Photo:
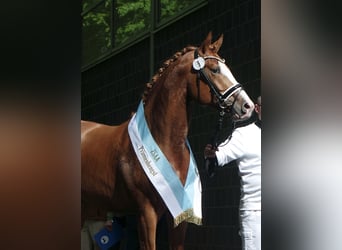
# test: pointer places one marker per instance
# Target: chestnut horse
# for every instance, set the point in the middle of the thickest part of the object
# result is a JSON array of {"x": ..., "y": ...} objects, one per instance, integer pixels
[{"x": 112, "y": 177}]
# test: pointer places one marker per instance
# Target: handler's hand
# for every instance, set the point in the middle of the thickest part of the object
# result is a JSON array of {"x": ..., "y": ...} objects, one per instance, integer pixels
[{"x": 209, "y": 151}]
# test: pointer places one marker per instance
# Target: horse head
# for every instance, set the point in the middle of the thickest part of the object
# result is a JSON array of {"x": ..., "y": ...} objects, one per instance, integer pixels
[{"x": 212, "y": 82}]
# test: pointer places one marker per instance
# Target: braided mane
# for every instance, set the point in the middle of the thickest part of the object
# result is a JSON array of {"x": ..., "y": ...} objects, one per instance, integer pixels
[{"x": 160, "y": 71}]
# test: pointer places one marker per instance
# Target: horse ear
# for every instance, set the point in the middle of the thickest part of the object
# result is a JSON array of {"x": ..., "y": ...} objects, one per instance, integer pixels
[
  {"x": 206, "y": 43},
  {"x": 215, "y": 47}
]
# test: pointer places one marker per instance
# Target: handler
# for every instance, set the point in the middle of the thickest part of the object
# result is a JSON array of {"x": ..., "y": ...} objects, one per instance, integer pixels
[{"x": 244, "y": 146}]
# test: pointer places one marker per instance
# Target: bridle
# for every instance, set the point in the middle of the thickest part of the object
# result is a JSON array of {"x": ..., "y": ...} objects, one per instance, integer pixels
[
  {"x": 199, "y": 65},
  {"x": 223, "y": 99}
]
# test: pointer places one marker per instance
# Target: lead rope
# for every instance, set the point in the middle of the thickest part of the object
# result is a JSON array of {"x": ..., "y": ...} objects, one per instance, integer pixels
[
  {"x": 215, "y": 137},
  {"x": 210, "y": 164}
]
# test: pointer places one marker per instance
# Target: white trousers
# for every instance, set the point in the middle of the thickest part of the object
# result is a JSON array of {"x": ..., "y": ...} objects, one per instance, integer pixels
[{"x": 250, "y": 229}]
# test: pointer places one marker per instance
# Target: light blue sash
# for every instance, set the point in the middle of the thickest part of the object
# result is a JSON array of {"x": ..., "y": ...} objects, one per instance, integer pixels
[{"x": 184, "y": 202}]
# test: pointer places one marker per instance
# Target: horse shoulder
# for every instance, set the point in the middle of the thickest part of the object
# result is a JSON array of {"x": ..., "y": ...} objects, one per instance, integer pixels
[{"x": 99, "y": 156}]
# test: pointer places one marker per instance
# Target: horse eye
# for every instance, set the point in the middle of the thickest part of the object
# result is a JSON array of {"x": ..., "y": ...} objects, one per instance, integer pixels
[{"x": 215, "y": 70}]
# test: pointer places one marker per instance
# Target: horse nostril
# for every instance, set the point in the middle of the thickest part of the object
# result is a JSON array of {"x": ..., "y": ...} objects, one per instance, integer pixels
[{"x": 246, "y": 106}]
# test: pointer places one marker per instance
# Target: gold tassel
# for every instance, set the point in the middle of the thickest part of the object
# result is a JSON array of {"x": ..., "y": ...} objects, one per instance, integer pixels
[{"x": 187, "y": 216}]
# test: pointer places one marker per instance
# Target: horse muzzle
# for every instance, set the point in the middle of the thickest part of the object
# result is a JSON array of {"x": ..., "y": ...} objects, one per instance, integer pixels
[{"x": 243, "y": 107}]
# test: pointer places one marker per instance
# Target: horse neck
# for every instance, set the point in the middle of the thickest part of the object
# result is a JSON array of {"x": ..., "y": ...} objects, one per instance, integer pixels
[{"x": 167, "y": 114}]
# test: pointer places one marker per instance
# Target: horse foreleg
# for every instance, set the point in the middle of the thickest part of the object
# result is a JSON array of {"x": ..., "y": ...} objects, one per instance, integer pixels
[
  {"x": 147, "y": 227},
  {"x": 176, "y": 234}
]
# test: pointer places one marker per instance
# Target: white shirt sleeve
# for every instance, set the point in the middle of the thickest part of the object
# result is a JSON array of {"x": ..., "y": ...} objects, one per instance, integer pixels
[{"x": 231, "y": 149}]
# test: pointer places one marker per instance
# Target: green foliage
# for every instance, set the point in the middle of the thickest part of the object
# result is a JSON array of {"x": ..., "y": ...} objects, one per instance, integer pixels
[
  {"x": 96, "y": 29},
  {"x": 170, "y": 8},
  {"x": 104, "y": 23},
  {"x": 133, "y": 17}
]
